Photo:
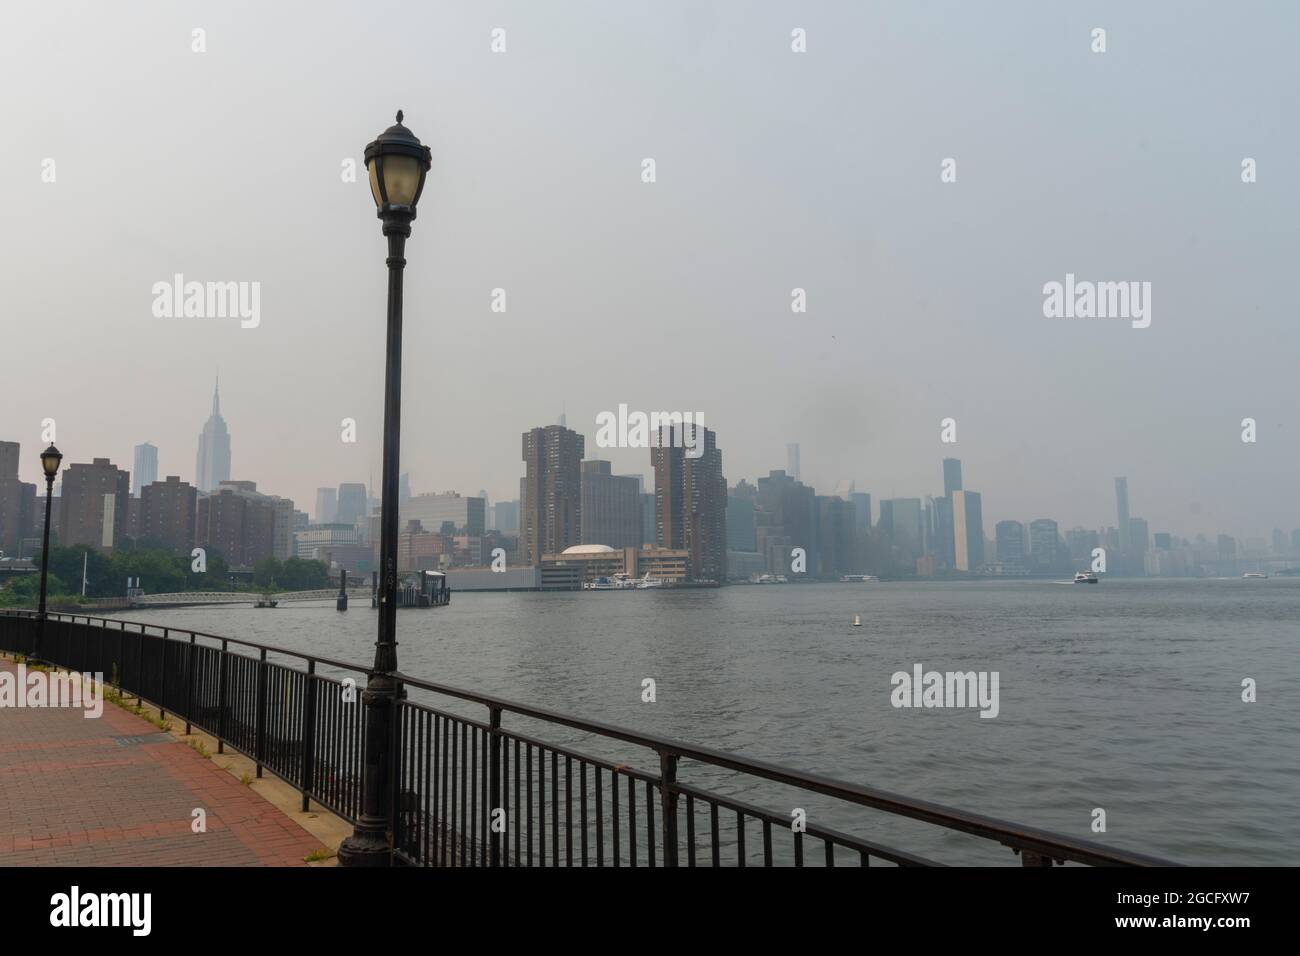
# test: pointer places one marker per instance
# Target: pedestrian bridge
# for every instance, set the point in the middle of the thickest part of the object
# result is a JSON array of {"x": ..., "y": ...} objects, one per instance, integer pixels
[{"x": 197, "y": 598}]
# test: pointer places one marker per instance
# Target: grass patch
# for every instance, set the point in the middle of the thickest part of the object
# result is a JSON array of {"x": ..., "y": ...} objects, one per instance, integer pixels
[{"x": 315, "y": 856}]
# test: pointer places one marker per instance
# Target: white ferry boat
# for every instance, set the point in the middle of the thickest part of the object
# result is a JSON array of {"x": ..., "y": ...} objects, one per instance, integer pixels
[
  {"x": 1086, "y": 577},
  {"x": 1255, "y": 574}
]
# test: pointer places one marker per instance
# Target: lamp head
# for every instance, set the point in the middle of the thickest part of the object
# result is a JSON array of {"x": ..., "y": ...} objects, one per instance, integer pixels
[{"x": 397, "y": 163}]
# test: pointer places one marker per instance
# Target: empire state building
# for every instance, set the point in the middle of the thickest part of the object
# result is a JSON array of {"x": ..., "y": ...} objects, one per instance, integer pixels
[{"x": 214, "y": 448}]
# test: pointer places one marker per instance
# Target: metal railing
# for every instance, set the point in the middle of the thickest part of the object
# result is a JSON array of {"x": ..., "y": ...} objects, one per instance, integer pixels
[{"x": 470, "y": 792}]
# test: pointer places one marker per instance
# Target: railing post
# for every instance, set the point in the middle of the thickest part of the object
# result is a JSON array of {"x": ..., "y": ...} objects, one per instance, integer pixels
[
  {"x": 139, "y": 665},
  {"x": 668, "y": 799},
  {"x": 189, "y": 686},
  {"x": 308, "y": 735},
  {"x": 259, "y": 729},
  {"x": 222, "y": 702},
  {"x": 162, "y": 677},
  {"x": 494, "y": 781}
]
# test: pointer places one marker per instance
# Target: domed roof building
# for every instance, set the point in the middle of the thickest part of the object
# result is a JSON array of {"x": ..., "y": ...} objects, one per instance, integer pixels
[{"x": 588, "y": 551}]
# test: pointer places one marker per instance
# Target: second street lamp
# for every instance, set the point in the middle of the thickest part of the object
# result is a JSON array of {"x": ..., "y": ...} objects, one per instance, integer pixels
[
  {"x": 50, "y": 461},
  {"x": 397, "y": 163}
]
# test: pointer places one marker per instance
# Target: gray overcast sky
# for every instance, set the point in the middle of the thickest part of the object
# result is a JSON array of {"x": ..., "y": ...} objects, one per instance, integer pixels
[{"x": 775, "y": 170}]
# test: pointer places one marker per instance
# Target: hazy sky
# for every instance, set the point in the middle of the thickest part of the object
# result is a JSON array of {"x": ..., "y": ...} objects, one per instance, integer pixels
[{"x": 775, "y": 170}]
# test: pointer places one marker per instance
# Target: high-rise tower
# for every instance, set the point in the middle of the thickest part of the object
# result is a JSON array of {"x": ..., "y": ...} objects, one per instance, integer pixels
[
  {"x": 691, "y": 498},
  {"x": 145, "y": 472},
  {"x": 214, "y": 448},
  {"x": 551, "y": 505},
  {"x": 951, "y": 476}
]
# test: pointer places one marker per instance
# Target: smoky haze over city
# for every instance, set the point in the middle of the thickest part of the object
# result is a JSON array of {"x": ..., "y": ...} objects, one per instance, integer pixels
[
  {"x": 663, "y": 433},
  {"x": 821, "y": 172}
]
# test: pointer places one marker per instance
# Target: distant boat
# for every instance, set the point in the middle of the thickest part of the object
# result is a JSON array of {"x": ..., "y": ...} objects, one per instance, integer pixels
[
  {"x": 1086, "y": 577},
  {"x": 857, "y": 621},
  {"x": 857, "y": 578},
  {"x": 1255, "y": 574},
  {"x": 649, "y": 582},
  {"x": 619, "y": 582}
]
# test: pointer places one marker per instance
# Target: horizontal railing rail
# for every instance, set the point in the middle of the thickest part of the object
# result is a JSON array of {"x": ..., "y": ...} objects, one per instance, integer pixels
[{"x": 474, "y": 792}]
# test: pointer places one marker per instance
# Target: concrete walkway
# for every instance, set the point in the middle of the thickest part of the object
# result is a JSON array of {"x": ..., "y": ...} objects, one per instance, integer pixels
[{"x": 117, "y": 791}]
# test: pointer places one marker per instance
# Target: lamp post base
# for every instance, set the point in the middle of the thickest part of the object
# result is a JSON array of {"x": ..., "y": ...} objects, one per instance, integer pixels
[{"x": 369, "y": 849}]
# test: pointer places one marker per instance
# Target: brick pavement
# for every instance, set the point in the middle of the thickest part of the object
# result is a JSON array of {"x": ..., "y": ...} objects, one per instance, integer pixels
[{"x": 71, "y": 794}]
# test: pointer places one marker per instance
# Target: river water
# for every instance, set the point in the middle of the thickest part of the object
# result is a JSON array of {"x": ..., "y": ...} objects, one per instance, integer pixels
[{"x": 1124, "y": 697}]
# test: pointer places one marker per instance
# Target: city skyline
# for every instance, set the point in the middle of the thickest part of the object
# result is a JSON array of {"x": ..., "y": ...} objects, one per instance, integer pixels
[
  {"x": 220, "y": 437},
  {"x": 925, "y": 534}
]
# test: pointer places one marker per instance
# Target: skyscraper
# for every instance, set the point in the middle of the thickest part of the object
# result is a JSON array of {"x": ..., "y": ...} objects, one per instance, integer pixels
[
  {"x": 214, "y": 449},
  {"x": 785, "y": 517},
  {"x": 861, "y": 510},
  {"x": 691, "y": 499},
  {"x": 145, "y": 471},
  {"x": 1121, "y": 505},
  {"x": 1010, "y": 538},
  {"x": 905, "y": 528},
  {"x": 351, "y": 503},
  {"x": 507, "y": 515},
  {"x": 951, "y": 476},
  {"x": 968, "y": 530},
  {"x": 1139, "y": 535},
  {"x": 18, "y": 510},
  {"x": 9, "y": 459},
  {"x": 792, "y": 460},
  {"x": 327, "y": 505},
  {"x": 944, "y": 545},
  {"x": 551, "y": 506},
  {"x": 611, "y": 507},
  {"x": 1045, "y": 544}
]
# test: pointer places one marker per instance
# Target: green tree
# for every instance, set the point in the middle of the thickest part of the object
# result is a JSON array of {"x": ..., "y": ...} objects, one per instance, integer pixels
[
  {"x": 25, "y": 590},
  {"x": 266, "y": 572},
  {"x": 216, "y": 577},
  {"x": 297, "y": 574},
  {"x": 156, "y": 570},
  {"x": 101, "y": 581}
]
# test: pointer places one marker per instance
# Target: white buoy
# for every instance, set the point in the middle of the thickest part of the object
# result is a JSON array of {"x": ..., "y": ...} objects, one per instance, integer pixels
[{"x": 857, "y": 621}]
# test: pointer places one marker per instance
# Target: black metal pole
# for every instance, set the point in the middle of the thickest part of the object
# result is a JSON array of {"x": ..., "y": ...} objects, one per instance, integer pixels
[
  {"x": 45, "y": 568},
  {"x": 369, "y": 844}
]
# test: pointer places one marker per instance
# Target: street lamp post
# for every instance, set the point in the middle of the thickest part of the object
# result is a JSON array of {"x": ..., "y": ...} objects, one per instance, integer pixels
[
  {"x": 50, "y": 460},
  {"x": 397, "y": 163}
]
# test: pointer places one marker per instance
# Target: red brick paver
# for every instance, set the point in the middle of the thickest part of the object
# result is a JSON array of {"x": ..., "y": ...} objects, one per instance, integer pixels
[{"x": 71, "y": 794}]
